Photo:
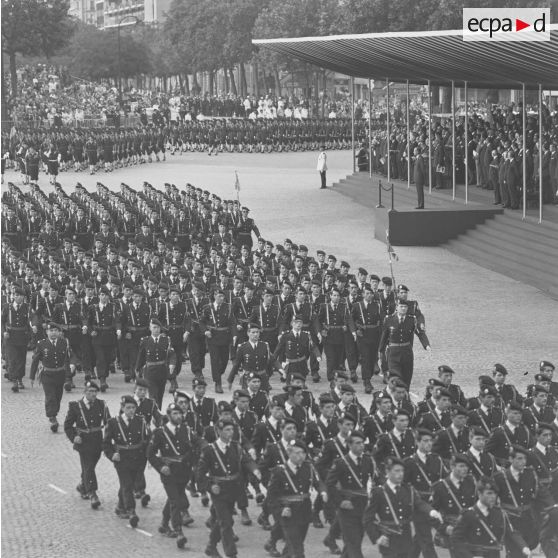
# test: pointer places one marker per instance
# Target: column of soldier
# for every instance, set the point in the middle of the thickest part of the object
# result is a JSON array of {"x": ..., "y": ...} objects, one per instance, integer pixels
[{"x": 471, "y": 475}]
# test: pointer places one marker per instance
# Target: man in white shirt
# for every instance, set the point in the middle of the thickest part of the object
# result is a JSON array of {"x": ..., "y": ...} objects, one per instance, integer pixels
[{"x": 322, "y": 166}]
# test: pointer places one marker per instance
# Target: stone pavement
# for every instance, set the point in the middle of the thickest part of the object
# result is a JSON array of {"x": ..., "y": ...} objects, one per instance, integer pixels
[{"x": 474, "y": 318}]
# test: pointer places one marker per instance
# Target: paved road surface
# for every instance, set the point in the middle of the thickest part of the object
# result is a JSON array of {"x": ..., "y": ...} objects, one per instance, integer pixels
[{"x": 474, "y": 318}]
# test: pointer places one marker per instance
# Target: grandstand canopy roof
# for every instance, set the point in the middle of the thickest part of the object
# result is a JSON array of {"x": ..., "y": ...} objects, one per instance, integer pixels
[{"x": 438, "y": 56}]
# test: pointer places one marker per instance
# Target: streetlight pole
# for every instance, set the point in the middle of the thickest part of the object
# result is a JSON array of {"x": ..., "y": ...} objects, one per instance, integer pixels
[{"x": 120, "y": 22}]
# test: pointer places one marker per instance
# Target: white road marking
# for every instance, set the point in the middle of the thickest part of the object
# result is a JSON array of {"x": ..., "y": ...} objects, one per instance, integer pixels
[
  {"x": 140, "y": 531},
  {"x": 58, "y": 489}
]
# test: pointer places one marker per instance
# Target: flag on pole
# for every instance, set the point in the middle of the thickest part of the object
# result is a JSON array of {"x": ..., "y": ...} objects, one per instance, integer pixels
[{"x": 237, "y": 186}]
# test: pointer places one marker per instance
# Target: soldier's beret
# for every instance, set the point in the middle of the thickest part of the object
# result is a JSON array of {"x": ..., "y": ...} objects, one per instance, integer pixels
[
  {"x": 71, "y": 289},
  {"x": 442, "y": 392},
  {"x": 19, "y": 291},
  {"x": 303, "y": 248},
  {"x": 399, "y": 383},
  {"x": 244, "y": 208},
  {"x": 115, "y": 281},
  {"x": 128, "y": 399},
  {"x": 516, "y": 448},
  {"x": 458, "y": 410},
  {"x": 298, "y": 376},
  {"x": 344, "y": 264},
  {"x": 224, "y": 407},
  {"x": 445, "y": 368},
  {"x": 349, "y": 417},
  {"x": 387, "y": 281},
  {"x": 488, "y": 390},
  {"x": 279, "y": 248},
  {"x": 198, "y": 285},
  {"x": 253, "y": 376},
  {"x": 174, "y": 289},
  {"x": 543, "y": 426},
  {"x": 485, "y": 380},
  {"x": 540, "y": 377},
  {"x": 292, "y": 390},
  {"x": 104, "y": 290},
  {"x": 393, "y": 461},
  {"x": 514, "y": 406},
  {"x": 363, "y": 271},
  {"x": 325, "y": 399},
  {"x": 140, "y": 382},
  {"x": 358, "y": 434},
  {"x": 347, "y": 388},
  {"x": 179, "y": 393},
  {"x": 546, "y": 364},
  {"x": 268, "y": 291},
  {"x": 478, "y": 431},
  {"x": 298, "y": 318},
  {"x": 163, "y": 286},
  {"x": 269, "y": 243},
  {"x": 249, "y": 285},
  {"x": 198, "y": 382},
  {"x": 420, "y": 432},
  {"x": 434, "y": 382},
  {"x": 320, "y": 252},
  {"x": 53, "y": 325},
  {"x": 402, "y": 288},
  {"x": 155, "y": 321},
  {"x": 294, "y": 247},
  {"x": 539, "y": 389},
  {"x": 91, "y": 385},
  {"x": 173, "y": 407},
  {"x": 402, "y": 302},
  {"x": 402, "y": 412},
  {"x": 298, "y": 444},
  {"x": 316, "y": 282},
  {"x": 500, "y": 368},
  {"x": 287, "y": 241},
  {"x": 241, "y": 393},
  {"x": 461, "y": 458},
  {"x": 89, "y": 285},
  {"x": 332, "y": 258},
  {"x": 139, "y": 291},
  {"x": 276, "y": 402}
]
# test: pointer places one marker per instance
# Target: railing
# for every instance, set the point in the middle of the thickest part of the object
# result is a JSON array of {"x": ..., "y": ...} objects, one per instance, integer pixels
[{"x": 389, "y": 188}]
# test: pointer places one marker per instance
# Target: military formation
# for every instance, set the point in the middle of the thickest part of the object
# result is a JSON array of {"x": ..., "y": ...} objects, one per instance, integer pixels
[{"x": 141, "y": 283}]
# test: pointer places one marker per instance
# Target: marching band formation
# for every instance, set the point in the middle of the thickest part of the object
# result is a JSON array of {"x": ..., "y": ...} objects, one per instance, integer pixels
[{"x": 143, "y": 282}]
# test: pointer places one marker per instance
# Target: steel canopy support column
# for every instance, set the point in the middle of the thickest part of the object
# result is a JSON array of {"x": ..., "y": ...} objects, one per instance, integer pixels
[
  {"x": 466, "y": 144},
  {"x": 388, "y": 134},
  {"x": 524, "y": 158},
  {"x": 429, "y": 138},
  {"x": 408, "y": 139},
  {"x": 540, "y": 154},
  {"x": 453, "y": 144},
  {"x": 353, "y": 121}
]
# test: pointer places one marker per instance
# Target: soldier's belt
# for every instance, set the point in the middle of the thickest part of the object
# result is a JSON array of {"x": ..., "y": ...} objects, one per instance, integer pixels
[
  {"x": 71, "y": 326},
  {"x": 391, "y": 528},
  {"x": 220, "y": 328},
  {"x": 174, "y": 326},
  {"x": 369, "y": 326},
  {"x": 516, "y": 510},
  {"x": 226, "y": 478},
  {"x": 168, "y": 460},
  {"x": 335, "y": 327},
  {"x": 156, "y": 363},
  {"x": 299, "y": 359},
  {"x": 269, "y": 329},
  {"x": 360, "y": 492},
  {"x": 90, "y": 430},
  {"x": 137, "y": 328},
  {"x": 17, "y": 328},
  {"x": 129, "y": 447},
  {"x": 255, "y": 371},
  {"x": 59, "y": 369},
  {"x": 104, "y": 328},
  {"x": 294, "y": 498},
  {"x": 483, "y": 547},
  {"x": 425, "y": 493},
  {"x": 399, "y": 344}
]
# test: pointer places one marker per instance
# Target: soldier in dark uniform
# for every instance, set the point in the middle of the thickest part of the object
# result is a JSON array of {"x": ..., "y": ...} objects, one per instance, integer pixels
[
  {"x": 399, "y": 442},
  {"x": 347, "y": 483},
  {"x": 196, "y": 340},
  {"x": 259, "y": 399},
  {"x": 512, "y": 432},
  {"x": 135, "y": 326},
  {"x": 174, "y": 317},
  {"x": 124, "y": 444},
  {"x": 422, "y": 470},
  {"x": 451, "y": 495},
  {"x": 16, "y": 334},
  {"x": 289, "y": 495},
  {"x": 391, "y": 510},
  {"x": 244, "y": 228},
  {"x": 482, "y": 463},
  {"x": 294, "y": 350},
  {"x": 253, "y": 356},
  {"x": 84, "y": 428},
  {"x": 219, "y": 327},
  {"x": 446, "y": 374},
  {"x": 487, "y": 416},
  {"x": 367, "y": 316},
  {"x": 156, "y": 361},
  {"x": 170, "y": 452},
  {"x": 546, "y": 367},
  {"x": 543, "y": 458},
  {"x": 454, "y": 438},
  {"x": 331, "y": 323},
  {"x": 506, "y": 392},
  {"x": 267, "y": 316},
  {"x": 439, "y": 417},
  {"x": 222, "y": 468},
  {"x": 379, "y": 421},
  {"x": 204, "y": 407},
  {"x": 103, "y": 324},
  {"x": 54, "y": 353},
  {"x": 537, "y": 410},
  {"x": 483, "y": 528},
  {"x": 397, "y": 341}
]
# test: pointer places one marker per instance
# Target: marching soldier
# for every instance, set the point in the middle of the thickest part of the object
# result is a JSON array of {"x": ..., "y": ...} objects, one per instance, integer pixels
[
  {"x": 16, "y": 333},
  {"x": 124, "y": 444},
  {"x": 219, "y": 327},
  {"x": 156, "y": 361},
  {"x": 378, "y": 422},
  {"x": 196, "y": 340},
  {"x": 482, "y": 463},
  {"x": 222, "y": 468},
  {"x": 84, "y": 428},
  {"x": 543, "y": 458},
  {"x": 347, "y": 483},
  {"x": 259, "y": 400},
  {"x": 54, "y": 353},
  {"x": 367, "y": 316},
  {"x": 170, "y": 452},
  {"x": 267, "y": 316},
  {"x": 397, "y": 341},
  {"x": 253, "y": 357},
  {"x": 391, "y": 509},
  {"x": 487, "y": 416},
  {"x": 440, "y": 416},
  {"x": 537, "y": 410},
  {"x": 289, "y": 495},
  {"x": 399, "y": 442},
  {"x": 204, "y": 407},
  {"x": 135, "y": 326},
  {"x": 506, "y": 392},
  {"x": 445, "y": 374},
  {"x": 482, "y": 529},
  {"x": 455, "y": 438}
]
